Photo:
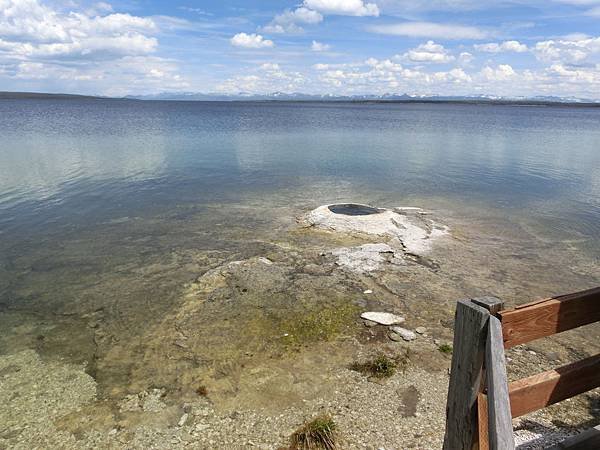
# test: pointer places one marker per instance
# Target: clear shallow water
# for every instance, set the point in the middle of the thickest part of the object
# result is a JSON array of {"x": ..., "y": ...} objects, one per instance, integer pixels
[
  {"x": 67, "y": 163},
  {"x": 111, "y": 210},
  {"x": 108, "y": 209}
]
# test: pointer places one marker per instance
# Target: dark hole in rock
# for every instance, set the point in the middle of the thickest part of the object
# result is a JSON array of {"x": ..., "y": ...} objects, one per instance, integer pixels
[{"x": 352, "y": 209}]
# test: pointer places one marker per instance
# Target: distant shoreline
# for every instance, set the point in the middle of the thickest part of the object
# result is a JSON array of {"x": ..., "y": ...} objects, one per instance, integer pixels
[{"x": 4, "y": 95}]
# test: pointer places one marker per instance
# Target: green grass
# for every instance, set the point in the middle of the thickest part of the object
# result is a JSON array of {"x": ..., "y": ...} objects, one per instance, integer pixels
[
  {"x": 445, "y": 349},
  {"x": 381, "y": 366},
  {"x": 318, "y": 434}
]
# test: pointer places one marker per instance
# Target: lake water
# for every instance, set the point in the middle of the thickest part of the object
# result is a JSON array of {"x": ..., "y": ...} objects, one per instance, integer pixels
[
  {"x": 76, "y": 163},
  {"x": 110, "y": 208}
]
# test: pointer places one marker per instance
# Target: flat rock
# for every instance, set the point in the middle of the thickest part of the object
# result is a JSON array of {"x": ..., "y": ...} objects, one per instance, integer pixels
[
  {"x": 421, "y": 330},
  {"x": 364, "y": 258},
  {"x": 382, "y": 318},
  {"x": 405, "y": 334}
]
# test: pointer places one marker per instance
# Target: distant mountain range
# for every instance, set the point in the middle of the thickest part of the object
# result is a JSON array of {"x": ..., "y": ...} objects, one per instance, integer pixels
[
  {"x": 282, "y": 96},
  {"x": 297, "y": 96}
]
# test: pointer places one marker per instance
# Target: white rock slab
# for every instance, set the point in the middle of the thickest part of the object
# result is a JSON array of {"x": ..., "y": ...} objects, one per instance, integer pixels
[
  {"x": 382, "y": 318},
  {"x": 405, "y": 334}
]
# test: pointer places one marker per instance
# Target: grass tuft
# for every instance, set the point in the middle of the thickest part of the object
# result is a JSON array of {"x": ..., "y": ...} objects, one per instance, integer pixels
[
  {"x": 202, "y": 391},
  {"x": 446, "y": 349},
  {"x": 381, "y": 366},
  {"x": 318, "y": 434}
]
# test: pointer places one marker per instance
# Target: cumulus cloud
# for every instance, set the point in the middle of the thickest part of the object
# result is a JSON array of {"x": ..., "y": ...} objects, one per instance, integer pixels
[
  {"x": 287, "y": 22},
  {"x": 319, "y": 46},
  {"x": 572, "y": 50},
  {"x": 506, "y": 46},
  {"x": 253, "y": 40},
  {"x": 343, "y": 7},
  {"x": 501, "y": 73},
  {"x": 94, "y": 46},
  {"x": 430, "y": 52},
  {"x": 311, "y": 12},
  {"x": 430, "y": 30},
  {"x": 28, "y": 29},
  {"x": 266, "y": 78},
  {"x": 384, "y": 75}
]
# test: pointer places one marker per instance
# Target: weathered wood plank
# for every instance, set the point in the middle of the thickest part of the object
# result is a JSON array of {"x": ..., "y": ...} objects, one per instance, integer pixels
[
  {"x": 538, "y": 391},
  {"x": 482, "y": 421},
  {"x": 554, "y": 315},
  {"x": 500, "y": 432},
  {"x": 470, "y": 332}
]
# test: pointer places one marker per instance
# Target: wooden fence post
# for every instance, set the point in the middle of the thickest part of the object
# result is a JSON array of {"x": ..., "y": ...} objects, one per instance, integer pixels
[
  {"x": 500, "y": 430},
  {"x": 470, "y": 333}
]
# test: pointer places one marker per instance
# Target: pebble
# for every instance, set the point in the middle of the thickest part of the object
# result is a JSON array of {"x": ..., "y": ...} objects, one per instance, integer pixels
[
  {"x": 382, "y": 318},
  {"x": 368, "y": 291},
  {"x": 369, "y": 323},
  {"x": 183, "y": 420},
  {"x": 421, "y": 330},
  {"x": 405, "y": 334}
]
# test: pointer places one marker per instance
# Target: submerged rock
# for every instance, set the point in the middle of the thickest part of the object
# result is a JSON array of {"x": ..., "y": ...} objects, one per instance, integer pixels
[
  {"x": 382, "y": 318},
  {"x": 406, "y": 224},
  {"x": 365, "y": 258}
]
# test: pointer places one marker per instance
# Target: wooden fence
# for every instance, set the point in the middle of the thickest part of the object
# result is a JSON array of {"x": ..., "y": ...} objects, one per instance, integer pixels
[{"x": 481, "y": 403}]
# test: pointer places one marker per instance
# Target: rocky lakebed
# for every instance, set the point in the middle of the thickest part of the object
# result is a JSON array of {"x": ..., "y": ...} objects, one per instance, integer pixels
[{"x": 345, "y": 310}]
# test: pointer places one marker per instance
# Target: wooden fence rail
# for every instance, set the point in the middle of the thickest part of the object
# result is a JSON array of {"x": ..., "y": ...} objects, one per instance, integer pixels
[{"x": 481, "y": 403}]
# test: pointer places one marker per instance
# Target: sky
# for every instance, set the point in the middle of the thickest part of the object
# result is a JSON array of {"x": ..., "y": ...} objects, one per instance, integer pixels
[{"x": 342, "y": 47}]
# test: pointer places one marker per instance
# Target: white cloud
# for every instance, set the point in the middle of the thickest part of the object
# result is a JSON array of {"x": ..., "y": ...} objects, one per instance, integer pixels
[
  {"x": 506, "y": 46},
  {"x": 343, "y": 7},
  {"x": 379, "y": 76},
  {"x": 589, "y": 76},
  {"x": 501, "y": 73},
  {"x": 465, "y": 57},
  {"x": 430, "y": 52},
  {"x": 266, "y": 78},
  {"x": 319, "y": 46},
  {"x": 287, "y": 22},
  {"x": 430, "y": 30},
  {"x": 253, "y": 40},
  {"x": 29, "y": 29},
  {"x": 567, "y": 50},
  {"x": 110, "y": 52}
]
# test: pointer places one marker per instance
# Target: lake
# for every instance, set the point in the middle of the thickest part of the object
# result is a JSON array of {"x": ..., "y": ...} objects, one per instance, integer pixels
[{"x": 113, "y": 213}]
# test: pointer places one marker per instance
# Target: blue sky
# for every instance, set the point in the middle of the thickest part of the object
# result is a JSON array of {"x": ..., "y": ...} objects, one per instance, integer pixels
[{"x": 448, "y": 47}]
